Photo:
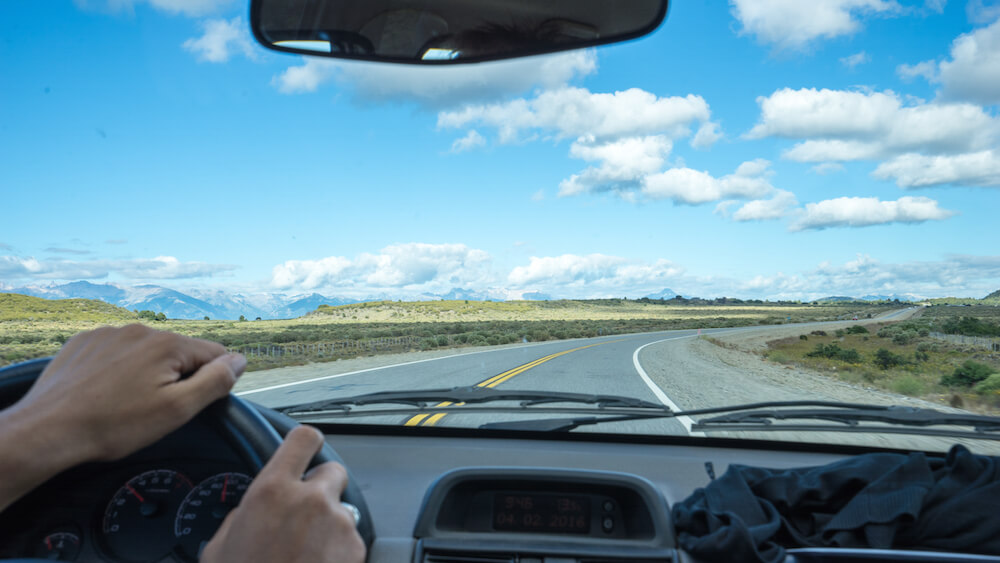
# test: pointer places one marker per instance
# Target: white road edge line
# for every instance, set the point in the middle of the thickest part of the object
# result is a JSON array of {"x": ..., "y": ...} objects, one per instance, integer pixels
[{"x": 685, "y": 421}]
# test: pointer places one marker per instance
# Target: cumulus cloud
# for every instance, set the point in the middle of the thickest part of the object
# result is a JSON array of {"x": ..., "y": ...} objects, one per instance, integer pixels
[
  {"x": 306, "y": 78},
  {"x": 777, "y": 206},
  {"x": 794, "y": 23},
  {"x": 411, "y": 266},
  {"x": 584, "y": 275},
  {"x": 855, "y": 59},
  {"x": 627, "y": 136},
  {"x": 840, "y": 126},
  {"x": 439, "y": 86},
  {"x": 868, "y": 211},
  {"x": 578, "y": 112},
  {"x": 221, "y": 40},
  {"x": 917, "y": 171},
  {"x": 971, "y": 74},
  {"x": 689, "y": 186},
  {"x": 191, "y": 8},
  {"x": 979, "y": 11},
  {"x": 623, "y": 163},
  {"x": 470, "y": 141},
  {"x": 954, "y": 275},
  {"x": 159, "y": 268}
]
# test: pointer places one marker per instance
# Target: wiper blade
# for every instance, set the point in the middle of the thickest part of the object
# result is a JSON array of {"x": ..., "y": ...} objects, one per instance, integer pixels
[
  {"x": 895, "y": 415},
  {"x": 760, "y": 416},
  {"x": 424, "y": 398}
]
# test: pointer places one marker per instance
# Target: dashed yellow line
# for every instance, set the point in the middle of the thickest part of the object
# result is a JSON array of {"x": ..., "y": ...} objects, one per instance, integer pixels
[{"x": 430, "y": 420}]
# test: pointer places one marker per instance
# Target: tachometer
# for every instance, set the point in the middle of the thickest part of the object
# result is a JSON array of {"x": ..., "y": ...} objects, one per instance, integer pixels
[
  {"x": 204, "y": 508},
  {"x": 136, "y": 524}
]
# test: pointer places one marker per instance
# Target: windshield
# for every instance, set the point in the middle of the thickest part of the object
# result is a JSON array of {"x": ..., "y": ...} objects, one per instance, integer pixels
[{"x": 759, "y": 202}]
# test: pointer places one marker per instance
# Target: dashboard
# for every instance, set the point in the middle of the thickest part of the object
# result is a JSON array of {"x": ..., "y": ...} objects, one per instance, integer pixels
[
  {"x": 435, "y": 495},
  {"x": 158, "y": 505}
]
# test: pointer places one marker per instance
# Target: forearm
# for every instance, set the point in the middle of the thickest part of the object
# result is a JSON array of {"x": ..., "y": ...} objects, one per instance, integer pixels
[{"x": 31, "y": 452}]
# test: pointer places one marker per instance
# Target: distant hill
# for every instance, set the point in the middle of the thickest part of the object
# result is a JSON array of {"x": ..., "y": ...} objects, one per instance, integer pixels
[
  {"x": 993, "y": 298},
  {"x": 835, "y": 299},
  {"x": 14, "y": 307}
]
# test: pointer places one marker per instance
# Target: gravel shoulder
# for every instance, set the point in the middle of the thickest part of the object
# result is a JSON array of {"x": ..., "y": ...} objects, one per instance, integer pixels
[{"x": 697, "y": 373}]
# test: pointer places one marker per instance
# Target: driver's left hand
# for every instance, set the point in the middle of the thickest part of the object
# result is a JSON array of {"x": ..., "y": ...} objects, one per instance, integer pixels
[{"x": 108, "y": 393}]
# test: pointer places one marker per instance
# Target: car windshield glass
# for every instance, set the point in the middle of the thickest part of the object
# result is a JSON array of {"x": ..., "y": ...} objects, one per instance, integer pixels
[{"x": 759, "y": 202}]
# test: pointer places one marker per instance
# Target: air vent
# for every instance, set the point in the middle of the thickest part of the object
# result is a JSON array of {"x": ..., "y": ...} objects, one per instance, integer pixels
[{"x": 467, "y": 558}]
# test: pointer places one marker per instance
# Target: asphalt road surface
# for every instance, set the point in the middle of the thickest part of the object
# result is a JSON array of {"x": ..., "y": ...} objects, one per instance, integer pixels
[{"x": 635, "y": 365}]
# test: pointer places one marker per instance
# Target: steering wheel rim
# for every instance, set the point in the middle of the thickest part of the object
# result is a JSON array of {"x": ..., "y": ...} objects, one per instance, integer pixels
[{"x": 254, "y": 431}]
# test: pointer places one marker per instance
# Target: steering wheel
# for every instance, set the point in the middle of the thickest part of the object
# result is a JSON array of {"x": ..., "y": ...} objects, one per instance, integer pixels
[{"x": 255, "y": 432}]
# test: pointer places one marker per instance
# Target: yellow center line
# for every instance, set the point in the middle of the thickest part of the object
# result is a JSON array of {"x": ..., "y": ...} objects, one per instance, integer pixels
[{"x": 430, "y": 420}]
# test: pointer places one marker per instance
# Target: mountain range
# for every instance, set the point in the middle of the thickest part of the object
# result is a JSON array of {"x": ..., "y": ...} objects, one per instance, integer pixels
[{"x": 217, "y": 304}]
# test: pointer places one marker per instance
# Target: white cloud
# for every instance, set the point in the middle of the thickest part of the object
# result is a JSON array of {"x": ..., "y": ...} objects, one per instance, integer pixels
[
  {"x": 412, "y": 266},
  {"x": 777, "y": 206},
  {"x": 578, "y": 112},
  {"x": 470, "y": 141},
  {"x": 926, "y": 70},
  {"x": 689, "y": 186},
  {"x": 624, "y": 162},
  {"x": 825, "y": 168},
  {"x": 584, "y": 275},
  {"x": 955, "y": 275},
  {"x": 917, "y": 171},
  {"x": 305, "y": 78},
  {"x": 868, "y": 211},
  {"x": 855, "y": 59},
  {"x": 159, "y": 268},
  {"x": 706, "y": 136},
  {"x": 439, "y": 86},
  {"x": 979, "y": 11},
  {"x": 222, "y": 38},
  {"x": 796, "y": 23},
  {"x": 191, "y": 8},
  {"x": 840, "y": 126},
  {"x": 972, "y": 73},
  {"x": 628, "y": 135}
]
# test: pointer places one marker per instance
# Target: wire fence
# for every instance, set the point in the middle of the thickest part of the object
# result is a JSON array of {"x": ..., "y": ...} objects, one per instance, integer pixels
[
  {"x": 978, "y": 341},
  {"x": 326, "y": 349}
]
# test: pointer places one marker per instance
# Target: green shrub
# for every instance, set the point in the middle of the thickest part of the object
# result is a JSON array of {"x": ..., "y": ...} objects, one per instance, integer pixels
[
  {"x": 839, "y": 333},
  {"x": 835, "y": 352},
  {"x": 909, "y": 385},
  {"x": 857, "y": 329},
  {"x": 967, "y": 375},
  {"x": 803, "y": 337},
  {"x": 989, "y": 385},
  {"x": 885, "y": 359},
  {"x": 818, "y": 333}
]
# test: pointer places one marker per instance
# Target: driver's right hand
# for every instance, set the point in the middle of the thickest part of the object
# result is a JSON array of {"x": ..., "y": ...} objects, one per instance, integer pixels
[{"x": 290, "y": 516}]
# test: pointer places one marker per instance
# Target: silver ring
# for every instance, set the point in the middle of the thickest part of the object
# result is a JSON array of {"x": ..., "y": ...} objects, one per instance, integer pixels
[{"x": 353, "y": 510}]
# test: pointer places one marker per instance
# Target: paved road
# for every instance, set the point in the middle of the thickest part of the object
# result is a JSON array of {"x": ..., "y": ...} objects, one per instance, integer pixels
[{"x": 605, "y": 365}]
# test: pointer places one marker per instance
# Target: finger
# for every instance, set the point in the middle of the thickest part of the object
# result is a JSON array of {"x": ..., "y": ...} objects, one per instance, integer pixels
[
  {"x": 195, "y": 352},
  {"x": 212, "y": 381},
  {"x": 293, "y": 456},
  {"x": 331, "y": 476}
]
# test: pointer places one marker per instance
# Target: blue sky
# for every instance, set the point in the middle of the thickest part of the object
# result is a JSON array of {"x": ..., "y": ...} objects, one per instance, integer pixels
[{"x": 749, "y": 149}]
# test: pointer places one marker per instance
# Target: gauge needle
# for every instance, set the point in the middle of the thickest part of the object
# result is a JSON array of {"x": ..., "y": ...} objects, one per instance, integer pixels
[
  {"x": 137, "y": 495},
  {"x": 225, "y": 484},
  {"x": 48, "y": 542}
]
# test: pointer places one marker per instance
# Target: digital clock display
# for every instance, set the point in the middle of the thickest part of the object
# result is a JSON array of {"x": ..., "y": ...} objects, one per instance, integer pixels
[{"x": 541, "y": 512}]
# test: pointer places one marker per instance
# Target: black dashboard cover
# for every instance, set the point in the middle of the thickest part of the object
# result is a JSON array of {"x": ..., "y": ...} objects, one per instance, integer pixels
[{"x": 881, "y": 500}]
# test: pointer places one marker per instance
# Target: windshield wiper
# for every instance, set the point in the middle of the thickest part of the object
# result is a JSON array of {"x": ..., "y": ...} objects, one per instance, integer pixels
[
  {"x": 426, "y": 398},
  {"x": 761, "y": 416}
]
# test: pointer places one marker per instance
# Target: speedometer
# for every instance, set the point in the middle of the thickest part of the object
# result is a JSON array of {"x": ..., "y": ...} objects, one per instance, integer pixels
[
  {"x": 136, "y": 525},
  {"x": 204, "y": 508}
]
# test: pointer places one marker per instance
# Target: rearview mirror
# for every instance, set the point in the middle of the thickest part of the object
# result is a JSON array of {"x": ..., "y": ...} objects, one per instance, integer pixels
[{"x": 448, "y": 31}]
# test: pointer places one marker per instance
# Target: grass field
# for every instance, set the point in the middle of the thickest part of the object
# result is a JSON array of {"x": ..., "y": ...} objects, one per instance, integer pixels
[
  {"x": 33, "y": 327},
  {"x": 904, "y": 358}
]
